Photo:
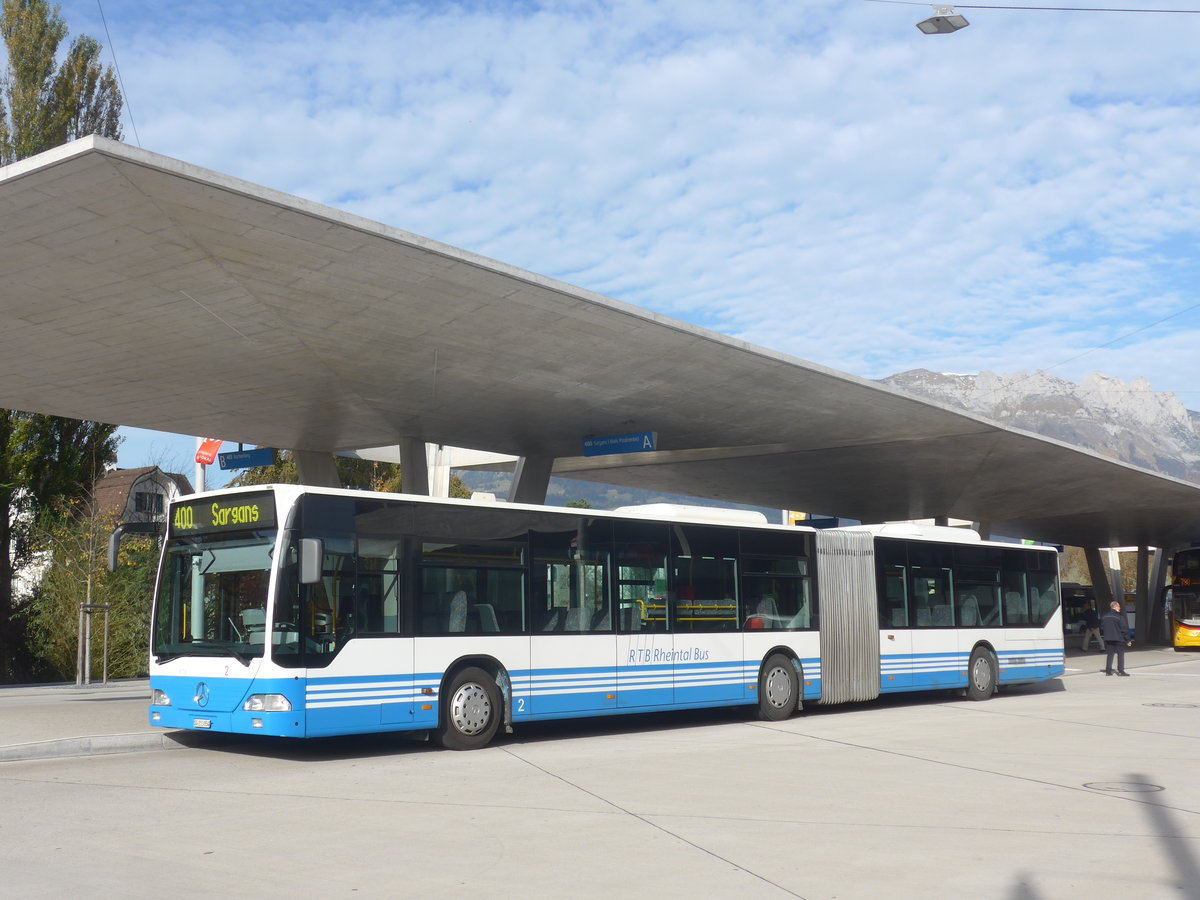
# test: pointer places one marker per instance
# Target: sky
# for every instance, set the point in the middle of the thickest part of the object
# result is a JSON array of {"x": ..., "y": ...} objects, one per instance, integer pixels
[{"x": 814, "y": 176}]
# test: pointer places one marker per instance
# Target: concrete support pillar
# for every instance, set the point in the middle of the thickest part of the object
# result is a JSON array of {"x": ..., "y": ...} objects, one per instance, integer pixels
[
  {"x": 941, "y": 520},
  {"x": 438, "y": 458},
  {"x": 531, "y": 480},
  {"x": 984, "y": 529},
  {"x": 1159, "y": 632},
  {"x": 1116, "y": 579},
  {"x": 1143, "y": 614},
  {"x": 316, "y": 468},
  {"x": 414, "y": 466},
  {"x": 1101, "y": 577}
]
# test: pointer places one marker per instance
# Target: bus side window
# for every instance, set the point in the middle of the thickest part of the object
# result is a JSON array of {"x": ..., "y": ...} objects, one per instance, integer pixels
[
  {"x": 893, "y": 612},
  {"x": 931, "y": 598}
]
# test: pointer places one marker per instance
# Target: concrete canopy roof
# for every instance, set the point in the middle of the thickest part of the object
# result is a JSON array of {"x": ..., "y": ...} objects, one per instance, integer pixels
[{"x": 140, "y": 290}]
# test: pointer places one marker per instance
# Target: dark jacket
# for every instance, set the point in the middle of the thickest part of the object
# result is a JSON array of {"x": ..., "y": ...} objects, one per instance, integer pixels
[
  {"x": 1089, "y": 619},
  {"x": 1112, "y": 627}
]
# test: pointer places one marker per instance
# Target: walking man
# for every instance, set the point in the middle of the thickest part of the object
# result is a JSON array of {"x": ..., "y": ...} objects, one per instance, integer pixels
[
  {"x": 1116, "y": 637},
  {"x": 1091, "y": 628}
]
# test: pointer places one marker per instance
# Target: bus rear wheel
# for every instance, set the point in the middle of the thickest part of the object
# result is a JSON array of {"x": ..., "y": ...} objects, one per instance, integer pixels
[
  {"x": 778, "y": 688},
  {"x": 471, "y": 710},
  {"x": 981, "y": 674}
]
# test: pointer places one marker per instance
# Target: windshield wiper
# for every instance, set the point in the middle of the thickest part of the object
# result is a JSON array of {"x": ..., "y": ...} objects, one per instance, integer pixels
[
  {"x": 243, "y": 658},
  {"x": 206, "y": 648}
]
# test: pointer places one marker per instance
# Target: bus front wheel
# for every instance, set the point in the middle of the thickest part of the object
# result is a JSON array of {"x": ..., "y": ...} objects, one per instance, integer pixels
[
  {"x": 981, "y": 674},
  {"x": 471, "y": 710},
  {"x": 778, "y": 688}
]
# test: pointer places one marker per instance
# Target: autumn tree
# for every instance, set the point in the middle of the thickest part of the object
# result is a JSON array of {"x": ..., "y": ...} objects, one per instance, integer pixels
[
  {"x": 360, "y": 474},
  {"x": 45, "y": 102}
]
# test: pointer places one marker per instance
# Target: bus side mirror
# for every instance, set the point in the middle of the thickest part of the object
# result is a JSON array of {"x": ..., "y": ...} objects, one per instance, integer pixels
[
  {"x": 312, "y": 555},
  {"x": 114, "y": 539},
  {"x": 114, "y": 547}
]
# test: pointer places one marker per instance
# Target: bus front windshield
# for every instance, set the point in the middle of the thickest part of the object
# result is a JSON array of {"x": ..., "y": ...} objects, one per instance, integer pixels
[
  {"x": 1186, "y": 606},
  {"x": 212, "y": 597}
]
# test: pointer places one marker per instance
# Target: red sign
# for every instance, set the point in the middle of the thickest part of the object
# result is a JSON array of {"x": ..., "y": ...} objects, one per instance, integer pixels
[{"x": 207, "y": 453}]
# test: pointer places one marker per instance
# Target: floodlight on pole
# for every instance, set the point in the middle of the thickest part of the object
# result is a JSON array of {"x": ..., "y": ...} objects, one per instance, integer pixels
[{"x": 945, "y": 21}]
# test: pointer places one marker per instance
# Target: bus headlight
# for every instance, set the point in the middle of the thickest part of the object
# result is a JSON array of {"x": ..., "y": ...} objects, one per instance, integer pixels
[
  {"x": 267, "y": 703},
  {"x": 159, "y": 698}
]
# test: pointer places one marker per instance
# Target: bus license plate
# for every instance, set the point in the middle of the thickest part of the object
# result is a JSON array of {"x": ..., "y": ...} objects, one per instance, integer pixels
[{"x": 202, "y": 723}]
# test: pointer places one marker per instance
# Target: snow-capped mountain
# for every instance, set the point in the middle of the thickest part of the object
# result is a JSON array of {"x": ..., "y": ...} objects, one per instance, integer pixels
[{"x": 1128, "y": 421}]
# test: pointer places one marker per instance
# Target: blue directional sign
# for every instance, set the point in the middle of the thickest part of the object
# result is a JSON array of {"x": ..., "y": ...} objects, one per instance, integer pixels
[
  {"x": 620, "y": 443},
  {"x": 245, "y": 459}
]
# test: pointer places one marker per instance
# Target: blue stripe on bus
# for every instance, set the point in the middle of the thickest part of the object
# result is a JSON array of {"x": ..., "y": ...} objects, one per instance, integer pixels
[
  {"x": 364, "y": 703},
  {"x": 949, "y": 670}
]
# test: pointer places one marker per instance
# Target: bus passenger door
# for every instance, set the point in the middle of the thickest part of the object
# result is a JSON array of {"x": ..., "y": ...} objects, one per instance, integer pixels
[
  {"x": 708, "y": 654},
  {"x": 645, "y": 646},
  {"x": 355, "y": 683},
  {"x": 935, "y": 655},
  {"x": 895, "y": 632},
  {"x": 571, "y": 650}
]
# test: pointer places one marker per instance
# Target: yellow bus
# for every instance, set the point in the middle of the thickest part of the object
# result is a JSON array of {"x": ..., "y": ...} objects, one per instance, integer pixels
[{"x": 1183, "y": 599}]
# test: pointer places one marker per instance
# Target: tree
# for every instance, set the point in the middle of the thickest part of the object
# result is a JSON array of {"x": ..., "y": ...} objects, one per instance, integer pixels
[
  {"x": 359, "y": 474},
  {"x": 45, "y": 463},
  {"x": 44, "y": 104},
  {"x": 73, "y": 545}
]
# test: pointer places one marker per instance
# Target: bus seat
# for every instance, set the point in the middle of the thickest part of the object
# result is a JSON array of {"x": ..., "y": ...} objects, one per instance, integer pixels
[
  {"x": 968, "y": 612},
  {"x": 487, "y": 618},
  {"x": 577, "y": 620},
  {"x": 553, "y": 620},
  {"x": 1014, "y": 608},
  {"x": 1049, "y": 601},
  {"x": 457, "y": 619},
  {"x": 769, "y": 611},
  {"x": 254, "y": 624}
]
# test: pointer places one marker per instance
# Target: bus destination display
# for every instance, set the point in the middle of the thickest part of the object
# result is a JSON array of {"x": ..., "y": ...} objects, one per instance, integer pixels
[{"x": 234, "y": 513}]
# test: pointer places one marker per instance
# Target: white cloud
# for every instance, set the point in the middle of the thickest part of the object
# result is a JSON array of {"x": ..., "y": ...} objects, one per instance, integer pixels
[{"x": 816, "y": 177}]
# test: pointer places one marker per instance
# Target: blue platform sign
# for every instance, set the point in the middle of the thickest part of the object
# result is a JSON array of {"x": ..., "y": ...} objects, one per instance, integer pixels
[
  {"x": 245, "y": 459},
  {"x": 621, "y": 443}
]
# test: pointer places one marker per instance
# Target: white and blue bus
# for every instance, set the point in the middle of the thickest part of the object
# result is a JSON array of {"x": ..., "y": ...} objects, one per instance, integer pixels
[{"x": 299, "y": 612}]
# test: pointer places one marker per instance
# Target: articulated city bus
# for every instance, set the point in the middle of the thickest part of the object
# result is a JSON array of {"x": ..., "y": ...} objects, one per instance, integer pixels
[
  {"x": 1183, "y": 599},
  {"x": 300, "y": 612}
]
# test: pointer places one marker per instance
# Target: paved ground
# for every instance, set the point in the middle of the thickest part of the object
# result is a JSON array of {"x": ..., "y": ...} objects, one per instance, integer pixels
[{"x": 1088, "y": 787}]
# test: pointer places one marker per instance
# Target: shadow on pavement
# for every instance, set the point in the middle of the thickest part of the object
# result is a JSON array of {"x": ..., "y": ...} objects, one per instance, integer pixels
[
  {"x": 1176, "y": 844},
  {"x": 392, "y": 743}
]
